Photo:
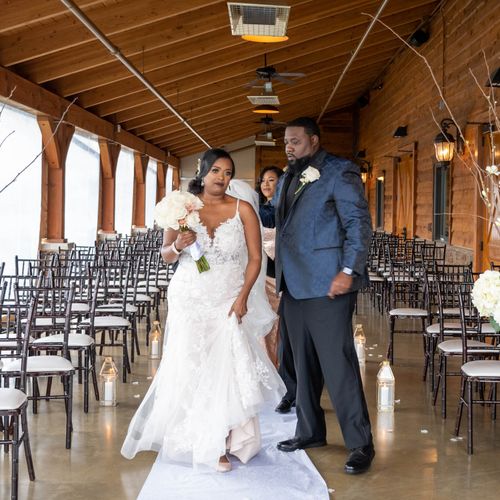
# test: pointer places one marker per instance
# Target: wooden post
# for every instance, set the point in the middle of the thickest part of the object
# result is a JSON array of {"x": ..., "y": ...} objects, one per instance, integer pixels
[
  {"x": 55, "y": 143},
  {"x": 161, "y": 175},
  {"x": 139, "y": 204},
  {"x": 109, "y": 152},
  {"x": 176, "y": 178}
]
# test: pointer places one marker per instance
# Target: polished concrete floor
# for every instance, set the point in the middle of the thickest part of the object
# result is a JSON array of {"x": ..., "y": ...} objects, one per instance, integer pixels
[{"x": 417, "y": 456}]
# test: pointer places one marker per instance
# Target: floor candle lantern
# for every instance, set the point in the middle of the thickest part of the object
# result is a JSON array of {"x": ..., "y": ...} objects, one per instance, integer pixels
[
  {"x": 155, "y": 341},
  {"x": 109, "y": 375},
  {"x": 385, "y": 388},
  {"x": 359, "y": 343}
]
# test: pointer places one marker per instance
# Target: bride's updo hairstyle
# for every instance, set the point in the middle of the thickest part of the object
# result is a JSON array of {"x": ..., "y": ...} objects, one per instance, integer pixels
[{"x": 207, "y": 160}]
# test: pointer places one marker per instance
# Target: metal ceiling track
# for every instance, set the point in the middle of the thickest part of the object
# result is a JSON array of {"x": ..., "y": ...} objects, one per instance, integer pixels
[
  {"x": 354, "y": 55},
  {"x": 114, "y": 51}
]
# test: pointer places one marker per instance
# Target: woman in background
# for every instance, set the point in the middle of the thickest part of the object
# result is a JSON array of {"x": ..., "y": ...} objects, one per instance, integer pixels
[{"x": 266, "y": 187}]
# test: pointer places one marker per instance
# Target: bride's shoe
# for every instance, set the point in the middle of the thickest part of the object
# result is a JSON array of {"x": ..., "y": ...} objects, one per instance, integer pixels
[{"x": 224, "y": 464}]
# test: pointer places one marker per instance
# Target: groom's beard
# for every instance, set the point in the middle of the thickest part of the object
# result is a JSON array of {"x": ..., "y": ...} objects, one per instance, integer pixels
[{"x": 299, "y": 164}]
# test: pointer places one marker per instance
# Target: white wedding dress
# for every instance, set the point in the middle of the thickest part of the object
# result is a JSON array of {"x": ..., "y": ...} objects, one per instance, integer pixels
[{"x": 214, "y": 375}]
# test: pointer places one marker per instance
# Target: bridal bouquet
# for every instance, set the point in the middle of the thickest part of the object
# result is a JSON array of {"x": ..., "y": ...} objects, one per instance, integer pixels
[
  {"x": 486, "y": 296},
  {"x": 179, "y": 210}
]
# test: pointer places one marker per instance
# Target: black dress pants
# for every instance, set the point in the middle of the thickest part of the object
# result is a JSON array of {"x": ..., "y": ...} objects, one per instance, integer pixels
[
  {"x": 286, "y": 368},
  {"x": 320, "y": 332}
]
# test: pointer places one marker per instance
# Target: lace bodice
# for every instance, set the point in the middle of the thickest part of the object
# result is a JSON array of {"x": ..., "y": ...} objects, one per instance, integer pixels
[{"x": 227, "y": 246}]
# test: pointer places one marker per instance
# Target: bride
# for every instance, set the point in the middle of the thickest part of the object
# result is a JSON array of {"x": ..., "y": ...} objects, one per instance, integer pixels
[{"x": 214, "y": 375}]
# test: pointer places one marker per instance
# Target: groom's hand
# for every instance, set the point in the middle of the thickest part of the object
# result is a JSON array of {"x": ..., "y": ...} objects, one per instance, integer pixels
[{"x": 341, "y": 284}]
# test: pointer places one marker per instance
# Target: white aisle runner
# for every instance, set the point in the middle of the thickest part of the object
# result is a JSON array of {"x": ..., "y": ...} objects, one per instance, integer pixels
[{"x": 271, "y": 475}]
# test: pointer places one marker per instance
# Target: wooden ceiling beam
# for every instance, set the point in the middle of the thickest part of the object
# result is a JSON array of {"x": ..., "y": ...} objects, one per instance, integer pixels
[
  {"x": 133, "y": 43},
  {"x": 300, "y": 96},
  {"x": 111, "y": 19},
  {"x": 307, "y": 27},
  {"x": 153, "y": 113},
  {"x": 235, "y": 121},
  {"x": 330, "y": 69},
  {"x": 41, "y": 101},
  {"x": 223, "y": 64},
  {"x": 23, "y": 14}
]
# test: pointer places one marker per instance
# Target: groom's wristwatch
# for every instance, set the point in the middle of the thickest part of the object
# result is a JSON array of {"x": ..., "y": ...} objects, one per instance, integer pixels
[{"x": 347, "y": 270}]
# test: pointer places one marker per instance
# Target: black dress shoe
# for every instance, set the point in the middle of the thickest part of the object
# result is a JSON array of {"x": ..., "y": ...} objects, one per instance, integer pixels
[
  {"x": 359, "y": 459},
  {"x": 300, "y": 444},
  {"x": 284, "y": 406}
]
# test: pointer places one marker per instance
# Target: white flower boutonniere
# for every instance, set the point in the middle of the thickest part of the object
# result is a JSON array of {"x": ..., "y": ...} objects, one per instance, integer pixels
[{"x": 310, "y": 174}]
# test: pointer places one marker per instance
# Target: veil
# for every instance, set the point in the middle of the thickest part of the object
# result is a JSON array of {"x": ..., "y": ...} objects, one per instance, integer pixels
[{"x": 241, "y": 190}]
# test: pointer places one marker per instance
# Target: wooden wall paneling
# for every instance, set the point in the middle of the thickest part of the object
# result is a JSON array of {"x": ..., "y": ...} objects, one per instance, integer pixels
[{"x": 409, "y": 97}]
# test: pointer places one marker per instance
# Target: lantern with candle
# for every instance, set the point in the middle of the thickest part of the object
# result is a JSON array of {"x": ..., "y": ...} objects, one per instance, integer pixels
[
  {"x": 359, "y": 343},
  {"x": 109, "y": 375},
  {"x": 385, "y": 388},
  {"x": 155, "y": 341}
]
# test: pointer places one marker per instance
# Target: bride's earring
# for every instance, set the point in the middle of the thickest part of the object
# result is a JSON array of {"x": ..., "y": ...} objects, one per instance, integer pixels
[{"x": 202, "y": 182}]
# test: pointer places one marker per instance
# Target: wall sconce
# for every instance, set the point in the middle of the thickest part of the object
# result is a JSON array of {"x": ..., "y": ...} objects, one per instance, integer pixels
[
  {"x": 365, "y": 169},
  {"x": 494, "y": 80},
  {"x": 381, "y": 178},
  {"x": 401, "y": 131},
  {"x": 444, "y": 143}
]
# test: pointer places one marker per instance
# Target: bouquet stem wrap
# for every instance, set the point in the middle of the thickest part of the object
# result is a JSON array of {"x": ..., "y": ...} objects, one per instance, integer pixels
[{"x": 197, "y": 254}]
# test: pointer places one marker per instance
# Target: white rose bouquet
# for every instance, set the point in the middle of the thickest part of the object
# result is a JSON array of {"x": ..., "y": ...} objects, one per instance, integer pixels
[
  {"x": 179, "y": 210},
  {"x": 486, "y": 296}
]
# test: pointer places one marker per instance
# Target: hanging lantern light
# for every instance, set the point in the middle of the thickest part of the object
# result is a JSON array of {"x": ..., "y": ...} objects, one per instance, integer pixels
[{"x": 109, "y": 375}]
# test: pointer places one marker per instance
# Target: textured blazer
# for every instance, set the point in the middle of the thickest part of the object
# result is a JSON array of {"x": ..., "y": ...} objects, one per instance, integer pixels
[{"x": 327, "y": 228}]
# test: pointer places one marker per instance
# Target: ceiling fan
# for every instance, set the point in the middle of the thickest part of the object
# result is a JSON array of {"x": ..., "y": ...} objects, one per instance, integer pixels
[
  {"x": 268, "y": 122},
  {"x": 269, "y": 73},
  {"x": 266, "y": 137}
]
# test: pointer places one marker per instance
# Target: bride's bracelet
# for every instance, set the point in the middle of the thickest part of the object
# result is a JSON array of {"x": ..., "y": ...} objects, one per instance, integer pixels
[{"x": 174, "y": 249}]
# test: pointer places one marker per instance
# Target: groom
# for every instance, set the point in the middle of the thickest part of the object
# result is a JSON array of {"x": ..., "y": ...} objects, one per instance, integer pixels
[{"x": 323, "y": 232}]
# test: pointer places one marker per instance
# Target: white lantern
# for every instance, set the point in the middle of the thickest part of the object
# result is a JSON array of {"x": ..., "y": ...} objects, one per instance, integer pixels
[
  {"x": 109, "y": 375},
  {"x": 155, "y": 341},
  {"x": 385, "y": 388},
  {"x": 359, "y": 343}
]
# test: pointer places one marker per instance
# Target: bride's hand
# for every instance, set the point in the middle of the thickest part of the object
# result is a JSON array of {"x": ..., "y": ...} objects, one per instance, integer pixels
[
  {"x": 184, "y": 239},
  {"x": 239, "y": 308}
]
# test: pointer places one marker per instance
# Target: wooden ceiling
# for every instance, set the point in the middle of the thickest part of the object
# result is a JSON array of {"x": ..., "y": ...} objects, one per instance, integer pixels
[{"x": 185, "y": 48}]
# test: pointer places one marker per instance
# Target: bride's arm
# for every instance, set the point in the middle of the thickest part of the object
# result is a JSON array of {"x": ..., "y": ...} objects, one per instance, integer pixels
[
  {"x": 174, "y": 242},
  {"x": 254, "y": 246}
]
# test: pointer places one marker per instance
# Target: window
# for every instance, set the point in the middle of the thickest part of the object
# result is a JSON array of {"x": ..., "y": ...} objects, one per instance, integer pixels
[
  {"x": 379, "y": 203},
  {"x": 20, "y": 203},
  {"x": 150, "y": 193},
  {"x": 170, "y": 179},
  {"x": 124, "y": 189},
  {"x": 82, "y": 190},
  {"x": 440, "y": 226}
]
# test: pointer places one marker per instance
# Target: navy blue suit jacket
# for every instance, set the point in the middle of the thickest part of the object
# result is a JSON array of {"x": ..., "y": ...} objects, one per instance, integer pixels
[{"x": 328, "y": 227}]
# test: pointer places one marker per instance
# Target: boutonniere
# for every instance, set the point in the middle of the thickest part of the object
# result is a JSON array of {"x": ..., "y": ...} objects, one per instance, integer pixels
[{"x": 310, "y": 174}]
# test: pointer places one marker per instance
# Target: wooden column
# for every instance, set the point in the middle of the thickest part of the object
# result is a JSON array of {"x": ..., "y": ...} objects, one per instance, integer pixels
[
  {"x": 176, "y": 179},
  {"x": 161, "y": 175},
  {"x": 55, "y": 149},
  {"x": 109, "y": 152},
  {"x": 139, "y": 204}
]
